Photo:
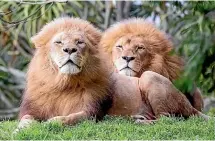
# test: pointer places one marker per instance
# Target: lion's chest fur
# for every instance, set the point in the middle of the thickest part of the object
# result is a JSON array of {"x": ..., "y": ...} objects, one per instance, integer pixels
[{"x": 60, "y": 103}]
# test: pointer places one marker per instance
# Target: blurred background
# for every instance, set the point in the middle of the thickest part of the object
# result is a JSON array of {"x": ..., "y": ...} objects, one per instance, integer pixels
[{"x": 190, "y": 25}]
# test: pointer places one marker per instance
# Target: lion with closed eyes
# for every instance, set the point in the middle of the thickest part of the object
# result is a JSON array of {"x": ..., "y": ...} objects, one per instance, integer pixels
[
  {"x": 66, "y": 80},
  {"x": 135, "y": 46}
]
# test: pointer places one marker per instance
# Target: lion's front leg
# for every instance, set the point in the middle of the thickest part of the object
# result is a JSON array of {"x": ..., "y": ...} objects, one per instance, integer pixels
[
  {"x": 163, "y": 97},
  {"x": 140, "y": 119},
  {"x": 70, "y": 119},
  {"x": 25, "y": 122}
]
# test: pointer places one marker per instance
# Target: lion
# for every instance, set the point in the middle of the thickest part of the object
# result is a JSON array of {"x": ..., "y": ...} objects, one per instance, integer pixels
[
  {"x": 65, "y": 78},
  {"x": 68, "y": 81},
  {"x": 136, "y": 46}
]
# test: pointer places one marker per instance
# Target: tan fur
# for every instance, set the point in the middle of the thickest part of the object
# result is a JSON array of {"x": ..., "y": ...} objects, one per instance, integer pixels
[
  {"x": 158, "y": 47},
  {"x": 148, "y": 97},
  {"x": 163, "y": 97},
  {"x": 155, "y": 57},
  {"x": 49, "y": 93}
]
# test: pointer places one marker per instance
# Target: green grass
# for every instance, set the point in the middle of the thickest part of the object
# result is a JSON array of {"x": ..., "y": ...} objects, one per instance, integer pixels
[{"x": 114, "y": 128}]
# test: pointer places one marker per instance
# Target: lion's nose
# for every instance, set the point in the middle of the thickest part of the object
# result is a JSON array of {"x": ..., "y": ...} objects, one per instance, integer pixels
[
  {"x": 128, "y": 58},
  {"x": 69, "y": 50}
]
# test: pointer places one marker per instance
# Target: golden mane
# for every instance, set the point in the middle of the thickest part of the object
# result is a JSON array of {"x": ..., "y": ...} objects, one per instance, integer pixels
[
  {"x": 63, "y": 24},
  {"x": 162, "y": 62},
  {"x": 41, "y": 41},
  {"x": 49, "y": 93}
]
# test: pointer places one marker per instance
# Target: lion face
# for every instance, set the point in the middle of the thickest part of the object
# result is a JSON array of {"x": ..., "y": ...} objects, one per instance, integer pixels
[
  {"x": 64, "y": 45},
  {"x": 135, "y": 46},
  {"x": 130, "y": 54},
  {"x": 69, "y": 51}
]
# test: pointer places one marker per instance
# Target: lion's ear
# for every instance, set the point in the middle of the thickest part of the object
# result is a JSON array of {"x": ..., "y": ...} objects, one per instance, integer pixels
[
  {"x": 37, "y": 40},
  {"x": 44, "y": 36},
  {"x": 94, "y": 38},
  {"x": 93, "y": 35}
]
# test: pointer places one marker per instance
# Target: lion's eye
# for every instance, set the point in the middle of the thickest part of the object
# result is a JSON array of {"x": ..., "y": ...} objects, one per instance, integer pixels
[
  {"x": 119, "y": 46},
  {"x": 140, "y": 47},
  {"x": 58, "y": 42},
  {"x": 80, "y": 42}
]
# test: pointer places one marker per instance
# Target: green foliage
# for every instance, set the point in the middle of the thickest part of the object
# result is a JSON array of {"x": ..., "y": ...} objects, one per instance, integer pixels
[
  {"x": 211, "y": 111},
  {"x": 114, "y": 128},
  {"x": 198, "y": 46}
]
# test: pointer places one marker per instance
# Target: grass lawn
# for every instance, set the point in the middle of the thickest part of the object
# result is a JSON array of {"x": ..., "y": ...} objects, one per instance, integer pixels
[{"x": 114, "y": 128}]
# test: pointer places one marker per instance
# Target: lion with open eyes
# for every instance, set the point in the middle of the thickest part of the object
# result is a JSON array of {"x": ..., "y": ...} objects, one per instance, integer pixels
[{"x": 135, "y": 46}]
